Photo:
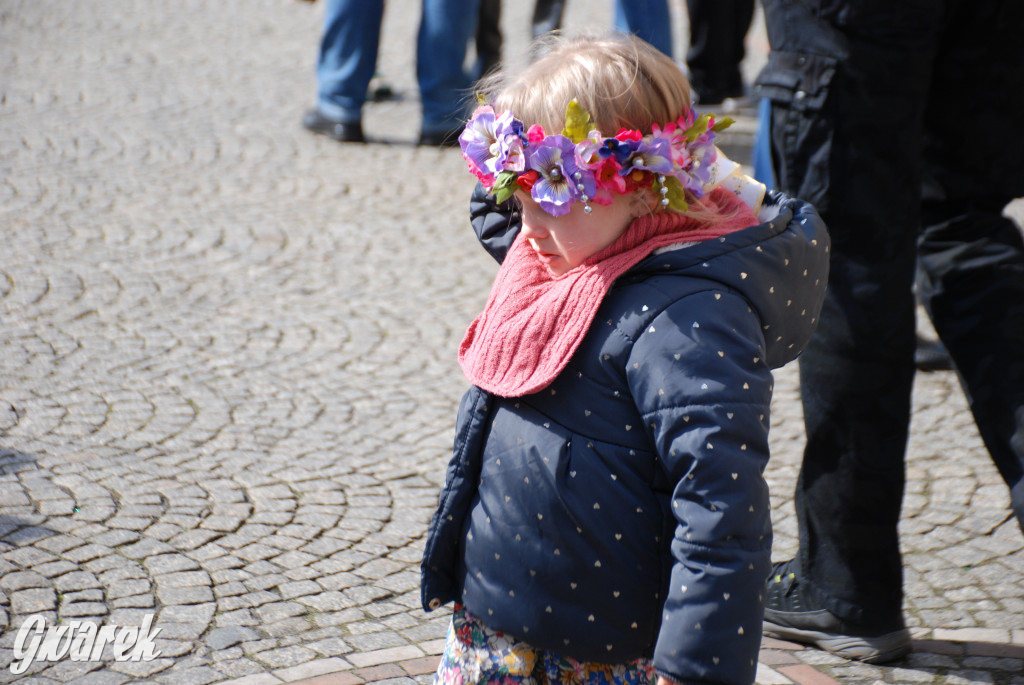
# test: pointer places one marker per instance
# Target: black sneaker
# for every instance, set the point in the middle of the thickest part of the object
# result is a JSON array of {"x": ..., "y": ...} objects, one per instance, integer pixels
[
  {"x": 789, "y": 615},
  {"x": 932, "y": 355},
  {"x": 344, "y": 133},
  {"x": 445, "y": 139}
]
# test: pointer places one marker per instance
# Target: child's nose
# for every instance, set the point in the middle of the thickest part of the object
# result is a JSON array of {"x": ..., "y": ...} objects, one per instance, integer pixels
[{"x": 533, "y": 231}]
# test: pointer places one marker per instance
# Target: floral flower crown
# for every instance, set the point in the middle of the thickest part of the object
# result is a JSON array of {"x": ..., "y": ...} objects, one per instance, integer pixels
[{"x": 583, "y": 165}]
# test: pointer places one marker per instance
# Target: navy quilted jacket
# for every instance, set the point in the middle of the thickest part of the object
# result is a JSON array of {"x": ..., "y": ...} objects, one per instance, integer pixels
[{"x": 621, "y": 512}]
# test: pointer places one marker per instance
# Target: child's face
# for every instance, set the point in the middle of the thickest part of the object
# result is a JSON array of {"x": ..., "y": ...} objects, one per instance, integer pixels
[{"x": 564, "y": 242}]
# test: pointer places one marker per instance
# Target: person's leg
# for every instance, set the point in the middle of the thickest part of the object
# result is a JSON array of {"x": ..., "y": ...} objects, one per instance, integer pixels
[
  {"x": 972, "y": 285},
  {"x": 446, "y": 27},
  {"x": 488, "y": 36},
  {"x": 972, "y": 257},
  {"x": 846, "y": 137},
  {"x": 547, "y": 16},
  {"x": 348, "y": 56},
  {"x": 648, "y": 19},
  {"x": 761, "y": 158},
  {"x": 717, "y": 31}
]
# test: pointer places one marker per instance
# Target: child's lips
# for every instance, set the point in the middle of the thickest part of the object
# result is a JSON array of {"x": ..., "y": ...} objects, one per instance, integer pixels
[
  {"x": 544, "y": 256},
  {"x": 554, "y": 262},
  {"x": 547, "y": 258}
]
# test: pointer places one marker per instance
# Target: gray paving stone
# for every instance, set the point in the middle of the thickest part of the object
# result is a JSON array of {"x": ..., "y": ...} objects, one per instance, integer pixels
[
  {"x": 82, "y": 609},
  {"x": 287, "y": 629},
  {"x": 22, "y": 580},
  {"x": 285, "y": 657},
  {"x": 184, "y": 595},
  {"x": 239, "y": 667},
  {"x": 78, "y": 580},
  {"x": 191, "y": 613},
  {"x": 93, "y": 595},
  {"x": 169, "y": 563},
  {"x": 222, "y": 638},
  {"x": 33, "y": 601}
]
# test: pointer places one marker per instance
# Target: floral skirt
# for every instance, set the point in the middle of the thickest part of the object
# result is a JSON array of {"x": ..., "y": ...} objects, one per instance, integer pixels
[{"x": 476, "y": 654}]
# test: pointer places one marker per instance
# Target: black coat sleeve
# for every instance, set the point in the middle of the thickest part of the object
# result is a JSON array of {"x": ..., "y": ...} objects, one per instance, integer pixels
[{"x": 496, "y": 224}]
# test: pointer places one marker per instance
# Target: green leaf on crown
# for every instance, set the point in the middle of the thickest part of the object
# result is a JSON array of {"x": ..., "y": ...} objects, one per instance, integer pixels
[
  {"x": 725, "y": 123},
  {"x": 504, "y": 186},
  {"x": 577, "y": 122},
  {"x": 676, "y": 194}
]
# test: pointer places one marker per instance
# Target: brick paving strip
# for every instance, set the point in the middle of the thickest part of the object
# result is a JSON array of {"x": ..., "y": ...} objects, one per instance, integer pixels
[
  {"x": 779, "y": 663},
  {"x": 228, "y": 378}
]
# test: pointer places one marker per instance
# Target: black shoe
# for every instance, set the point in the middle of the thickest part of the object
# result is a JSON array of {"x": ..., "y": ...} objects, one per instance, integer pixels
[
  {"x": 789, "y": 615},
  {"x": 449, "y": 138},
  {"x": 932, "y": 355},
  {"x": 346, "y": 133}
]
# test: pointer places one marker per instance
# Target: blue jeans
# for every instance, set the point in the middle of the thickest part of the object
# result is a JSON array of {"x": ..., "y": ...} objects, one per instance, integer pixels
[
  {"x": 445, "y": 28},
  {"x": 648, "y": 19},
  {"x": 348, "y": 58}
]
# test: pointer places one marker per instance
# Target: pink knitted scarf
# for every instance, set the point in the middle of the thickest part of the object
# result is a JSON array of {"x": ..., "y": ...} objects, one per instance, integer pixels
[{"x": 533, "y": 321}]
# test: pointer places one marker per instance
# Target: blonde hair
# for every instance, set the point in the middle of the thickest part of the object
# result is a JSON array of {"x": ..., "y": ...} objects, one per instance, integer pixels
[
  {"x": 619, "y": 79},
  {"x": 622, "y": 81}
]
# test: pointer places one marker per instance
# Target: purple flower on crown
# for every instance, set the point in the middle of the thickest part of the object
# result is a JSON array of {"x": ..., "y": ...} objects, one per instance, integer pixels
[
  {"x": 492, "y": 144},
  {"x": 562, "y": 179},
  {"x": 652, "y": 154},
  {"x": 619, "y": 149},
  {"x": 703, "y": 156}
]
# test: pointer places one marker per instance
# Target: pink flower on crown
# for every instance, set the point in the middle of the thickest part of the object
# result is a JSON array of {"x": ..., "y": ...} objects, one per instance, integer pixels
[
  {"x": 625, "y": 134},
  {"x": 609, "y": 181},
  {"x": 677, "y": 143}
]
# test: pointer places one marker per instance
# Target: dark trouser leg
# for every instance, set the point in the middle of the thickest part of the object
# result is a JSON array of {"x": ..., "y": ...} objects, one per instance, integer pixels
[
  {"x": 972, "y": 284},
  {"x": 856, "y": 378},
  {"x": 972, "y": 258},
  {"x": 547, "y": 16},
  {"x": 843, "y": 153},
  {"x": 488, "y": 36},
  {"x": 717, "y": 31}
]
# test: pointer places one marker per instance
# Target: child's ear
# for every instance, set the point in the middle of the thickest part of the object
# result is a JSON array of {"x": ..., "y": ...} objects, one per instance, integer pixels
[{"x": 644, "y": 201}]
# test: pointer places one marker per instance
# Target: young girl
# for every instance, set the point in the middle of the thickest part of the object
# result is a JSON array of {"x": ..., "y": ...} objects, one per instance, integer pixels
[{"x": 604, "y": 517}]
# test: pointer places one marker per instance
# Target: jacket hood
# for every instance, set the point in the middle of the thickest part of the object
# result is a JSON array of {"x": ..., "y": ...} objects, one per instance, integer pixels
[{"x": 779, "y": 266}]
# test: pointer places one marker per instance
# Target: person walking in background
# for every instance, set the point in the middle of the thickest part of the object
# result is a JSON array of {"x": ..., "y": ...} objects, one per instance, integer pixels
[
  {"x": 900, "y": 122},
  {"x": 348, "y": 57},
  {"x": 547, "y": 17},
  {"x": 489, "y": 39},
  {"x": 647, "y": 19},
  {"x": 717, "y": 31},
  {"x": 605, "y": 518}
]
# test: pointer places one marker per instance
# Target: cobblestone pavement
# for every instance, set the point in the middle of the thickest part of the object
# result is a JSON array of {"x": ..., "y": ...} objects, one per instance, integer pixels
[{"x": 227, "y": 376}]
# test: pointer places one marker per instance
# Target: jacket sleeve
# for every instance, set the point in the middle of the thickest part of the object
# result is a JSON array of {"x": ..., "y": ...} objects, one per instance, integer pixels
[
  {"x": 699, "y": 378},
  {"x": 439, "y": 584},
  {"x": 496, "y": 225}
]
